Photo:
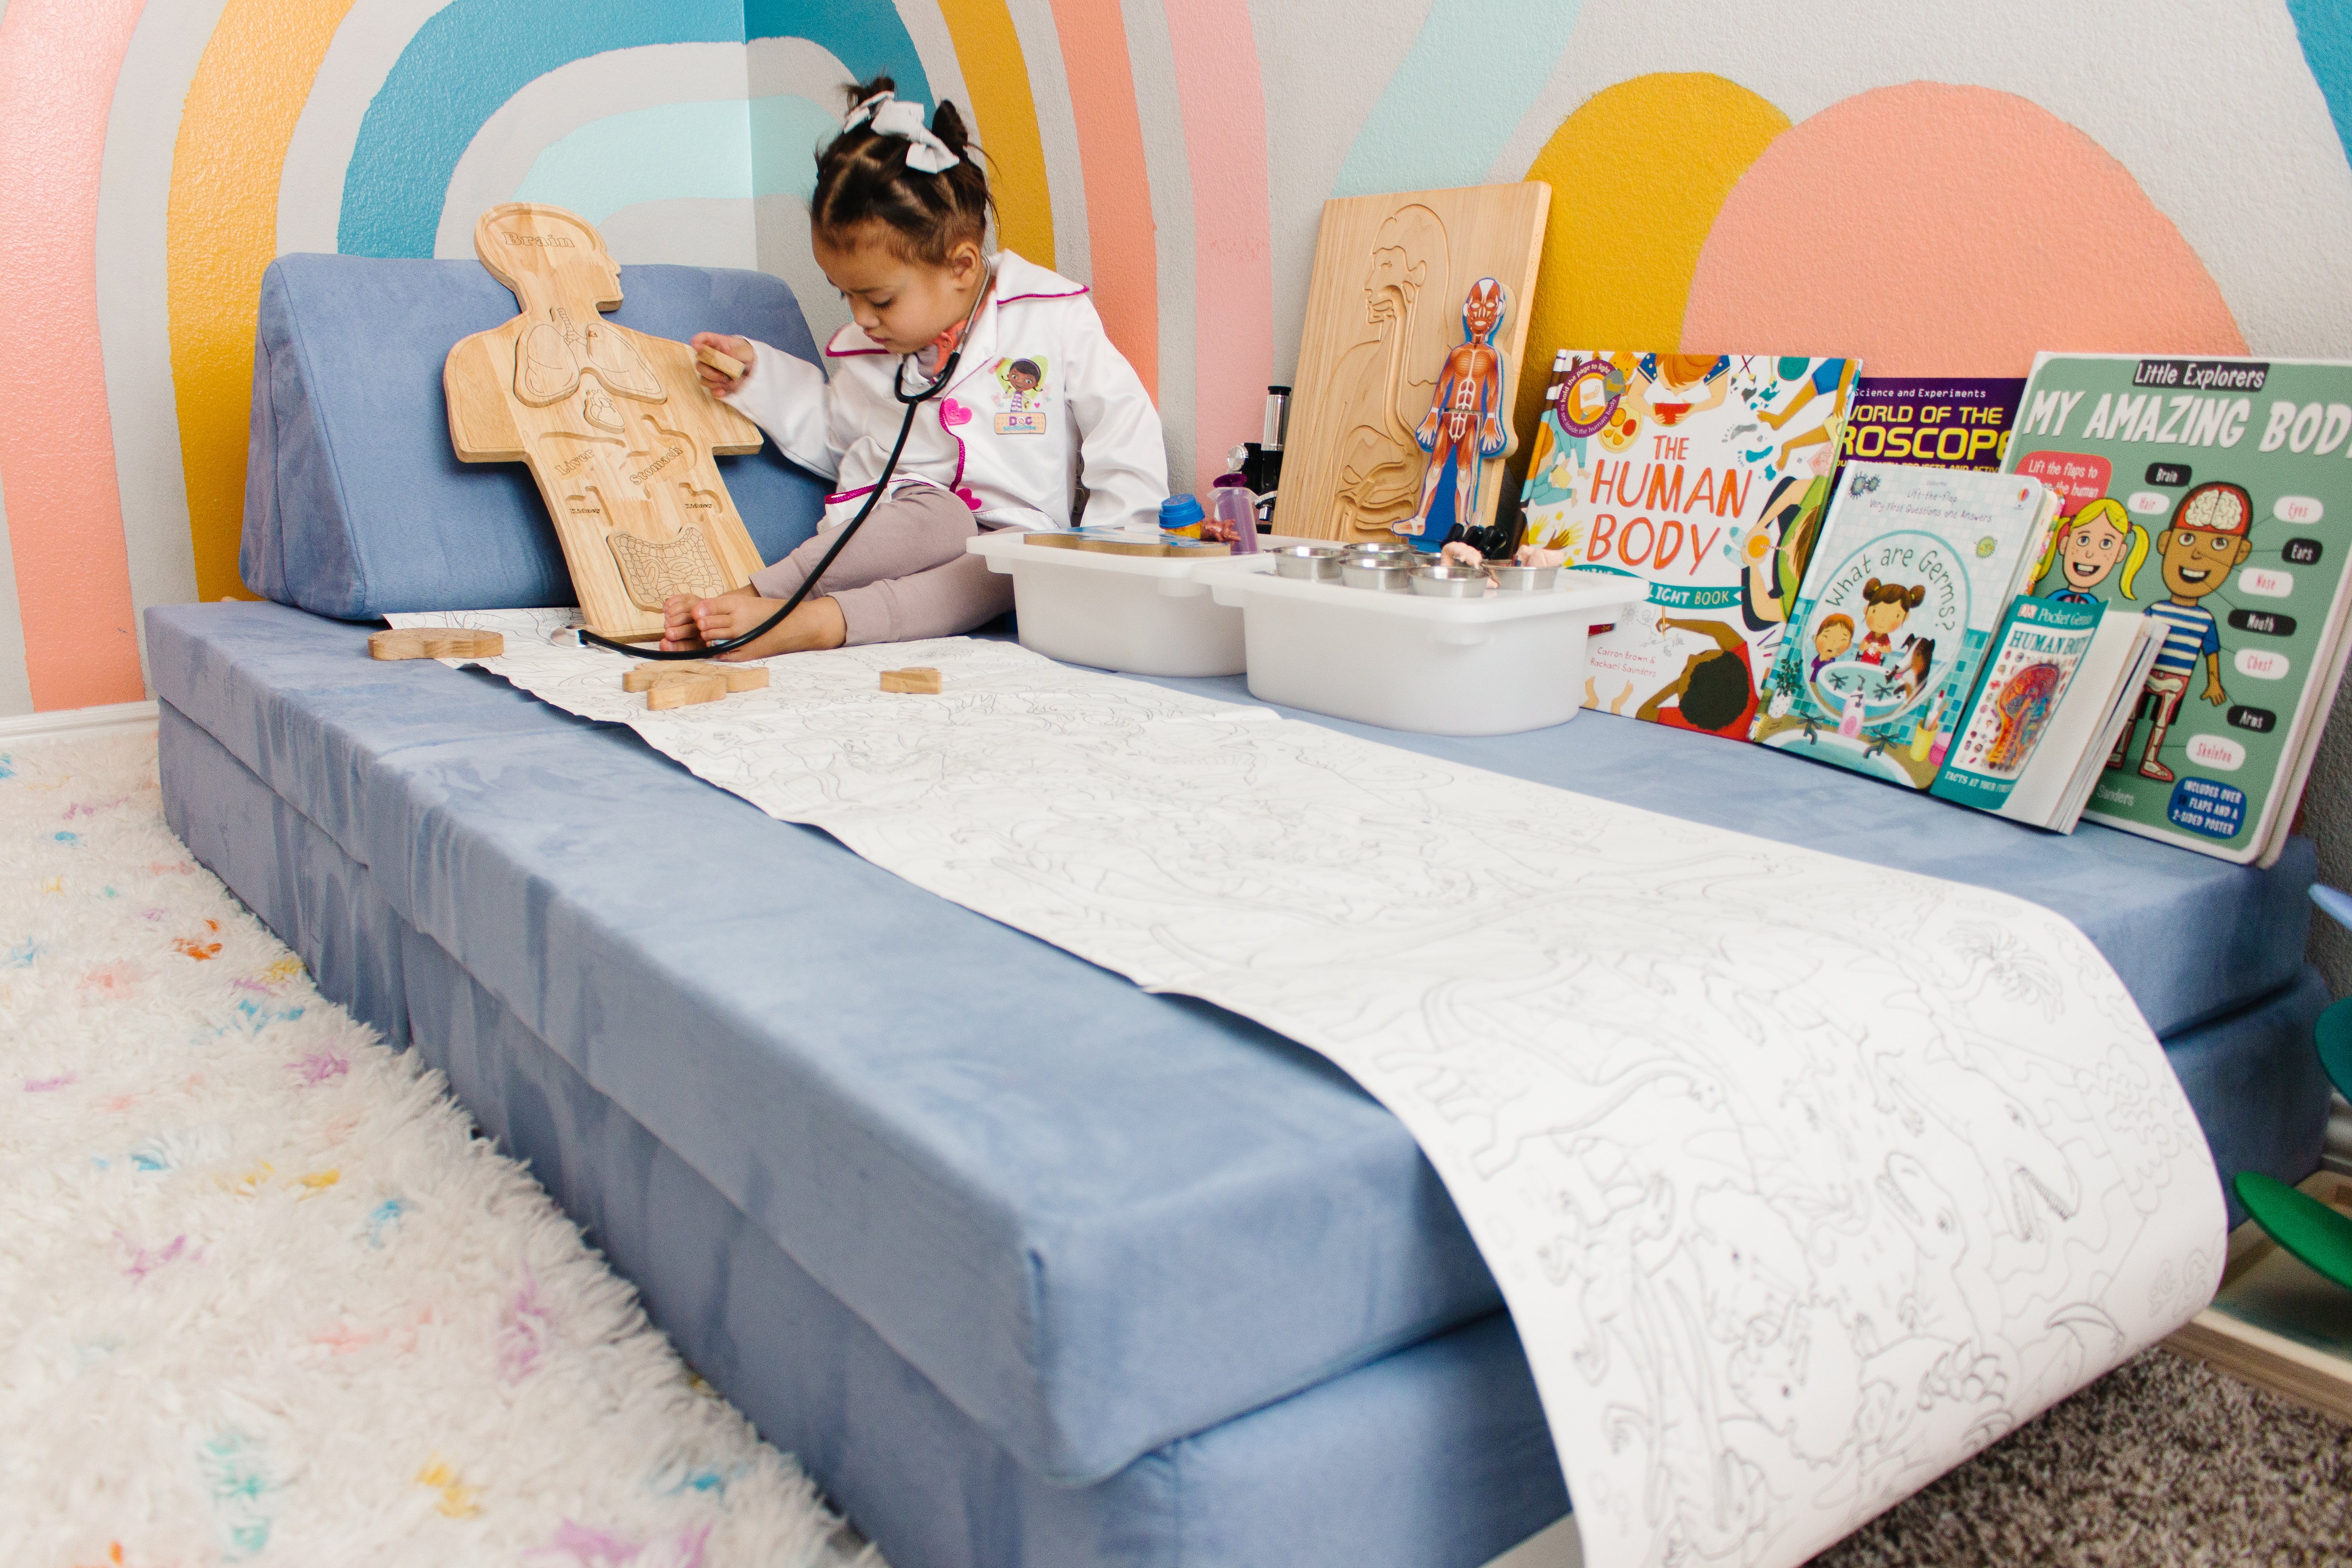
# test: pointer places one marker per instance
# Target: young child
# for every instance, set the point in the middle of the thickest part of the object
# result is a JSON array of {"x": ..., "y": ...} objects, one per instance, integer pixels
[
  {"x": 1830, "y": 639},
  {"x": 1885, "y": 606},
  {"x": 899, "y": 221}
]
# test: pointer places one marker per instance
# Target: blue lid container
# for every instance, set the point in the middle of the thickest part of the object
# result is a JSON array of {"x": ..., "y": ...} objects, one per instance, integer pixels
[{"x": 1180, "y": 511}]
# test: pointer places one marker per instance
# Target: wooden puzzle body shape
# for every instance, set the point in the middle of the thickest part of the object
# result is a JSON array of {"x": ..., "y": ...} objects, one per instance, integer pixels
[
  {"x": 1392, "y": 274},
  {"x": 613, "y": 424}
]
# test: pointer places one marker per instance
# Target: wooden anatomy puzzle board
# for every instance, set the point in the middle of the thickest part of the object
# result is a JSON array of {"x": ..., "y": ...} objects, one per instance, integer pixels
[
  {"x": 614, "y": 425},
  {"x": 1383, "y": 314},
  {"x": 2277, "y": 1323}
]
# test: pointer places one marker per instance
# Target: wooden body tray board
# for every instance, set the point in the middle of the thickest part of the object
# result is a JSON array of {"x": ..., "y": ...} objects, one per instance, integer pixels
[
  {"x": 615, "y": 426},
  {"x": 1383, "y": 313}
]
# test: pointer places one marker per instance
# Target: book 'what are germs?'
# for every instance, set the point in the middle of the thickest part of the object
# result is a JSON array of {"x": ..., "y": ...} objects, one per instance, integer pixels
[
  {"x": 1915, "y": 569},
  {"x": 2223, "y": 488},
  {"x": 1704, "y": 476}
]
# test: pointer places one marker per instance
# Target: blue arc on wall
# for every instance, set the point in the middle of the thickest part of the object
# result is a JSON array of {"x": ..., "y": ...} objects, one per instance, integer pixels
[{"x": 473, "y": 55}]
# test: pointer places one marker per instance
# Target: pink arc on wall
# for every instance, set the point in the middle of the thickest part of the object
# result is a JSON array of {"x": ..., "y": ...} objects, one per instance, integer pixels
[{"x": 59, "y": 59}]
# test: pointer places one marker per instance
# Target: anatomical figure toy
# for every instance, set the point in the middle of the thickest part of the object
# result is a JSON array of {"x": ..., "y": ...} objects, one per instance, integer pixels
[{"x": 1464, "y": 424}]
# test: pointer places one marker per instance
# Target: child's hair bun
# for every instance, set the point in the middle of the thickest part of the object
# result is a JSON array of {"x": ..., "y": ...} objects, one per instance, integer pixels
[
  {"x": 863, "y": 181},
  {"x": 1877, "y": 593},
  {"x": 946, "y": 124}
]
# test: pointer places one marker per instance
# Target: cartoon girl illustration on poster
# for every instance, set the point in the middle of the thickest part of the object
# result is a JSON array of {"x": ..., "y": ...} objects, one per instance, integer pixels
[
  {"x": 2087, "y": 550},
  {"x": 1887, "y": 606},
  {"x": 1020, "y": 407}
]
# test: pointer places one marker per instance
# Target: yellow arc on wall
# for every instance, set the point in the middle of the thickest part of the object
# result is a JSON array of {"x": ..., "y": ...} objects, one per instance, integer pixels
[
  {"x": 222, "y": 228},
  {"x": 1638, "y": 174},
  {"x": 1004, "y": 111}
]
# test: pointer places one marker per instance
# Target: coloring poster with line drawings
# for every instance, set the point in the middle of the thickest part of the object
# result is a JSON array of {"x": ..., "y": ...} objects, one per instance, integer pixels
[{"x": 1803, "y": 1179}]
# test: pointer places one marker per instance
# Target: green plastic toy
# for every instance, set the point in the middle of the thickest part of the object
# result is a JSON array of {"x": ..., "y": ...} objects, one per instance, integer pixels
[
  {"x": 2303, "y": 1225},
  {"x": 2300, "y": 1223}
]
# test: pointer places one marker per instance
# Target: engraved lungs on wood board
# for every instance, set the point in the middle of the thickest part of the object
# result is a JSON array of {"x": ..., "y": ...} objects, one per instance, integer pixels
[
  {"x": 1416, "y": 321},
  {"x": 614, "y": 425}
]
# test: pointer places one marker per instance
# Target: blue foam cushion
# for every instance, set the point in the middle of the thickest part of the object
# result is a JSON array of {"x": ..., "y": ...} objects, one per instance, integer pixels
[
  {"x": 1096, "y": 1219},
  {"x": 356, "y": 505},
  {"x": 1433, "y": 1457}
]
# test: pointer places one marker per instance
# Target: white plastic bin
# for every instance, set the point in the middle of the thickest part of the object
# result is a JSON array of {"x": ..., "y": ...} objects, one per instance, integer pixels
[
  {"x": 1491, "y": 666},
  {"x": 1146, "y": 614}
]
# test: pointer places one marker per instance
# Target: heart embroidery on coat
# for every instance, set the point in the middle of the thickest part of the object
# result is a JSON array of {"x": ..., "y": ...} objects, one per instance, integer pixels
[{"x": 952, "y": 414}]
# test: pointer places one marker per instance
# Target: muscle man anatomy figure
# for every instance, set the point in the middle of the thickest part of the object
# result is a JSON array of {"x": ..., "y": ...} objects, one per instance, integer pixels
[{"x": 1464, "y": 422}]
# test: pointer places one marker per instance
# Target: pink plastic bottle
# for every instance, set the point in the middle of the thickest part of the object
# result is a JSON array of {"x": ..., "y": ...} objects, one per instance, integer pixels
[{"x": 1236, "y": 512}]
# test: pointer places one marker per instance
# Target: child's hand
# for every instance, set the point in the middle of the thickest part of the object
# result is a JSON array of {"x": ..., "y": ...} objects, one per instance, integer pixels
[
  {"x": 678, "y": 628},
  {"x": 718, "y": 382}
]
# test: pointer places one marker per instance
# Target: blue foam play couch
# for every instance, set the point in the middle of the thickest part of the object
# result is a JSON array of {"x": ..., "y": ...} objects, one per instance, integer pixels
[{"x": 1027, "y": 1266}]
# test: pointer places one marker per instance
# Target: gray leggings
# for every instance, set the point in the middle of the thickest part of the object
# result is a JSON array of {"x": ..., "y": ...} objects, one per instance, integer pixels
[{"x": 904, "y": 577}]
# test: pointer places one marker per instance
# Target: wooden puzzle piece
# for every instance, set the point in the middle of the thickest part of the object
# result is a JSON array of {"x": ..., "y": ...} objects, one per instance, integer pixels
[
  {"x": 919, "y": 679},
  {"x": 1384, "y": 322},
  {"x": 726, "y": 365},
  {"x": 685, "y": 690},
  {"x": 436, "y": 642},
  {"x": 614, "y": 425},
  {"x": 738, "y": 676}
]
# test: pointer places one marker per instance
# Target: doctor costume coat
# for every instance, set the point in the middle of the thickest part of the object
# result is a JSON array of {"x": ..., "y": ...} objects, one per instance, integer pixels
[{"x": 1039, "y": 394}]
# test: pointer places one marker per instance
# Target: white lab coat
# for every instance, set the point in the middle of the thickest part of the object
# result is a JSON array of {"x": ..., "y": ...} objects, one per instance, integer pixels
[{"x": 1009, "y": 450}]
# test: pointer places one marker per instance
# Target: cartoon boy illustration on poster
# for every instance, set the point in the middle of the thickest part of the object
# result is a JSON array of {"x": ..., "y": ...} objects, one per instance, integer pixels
[
  {"x": 1832, "y": 637},
  {"x": 1020, "y": 407},
  {"x": 2087, "y": 550},
  {"x": 2211, "y": 533}
]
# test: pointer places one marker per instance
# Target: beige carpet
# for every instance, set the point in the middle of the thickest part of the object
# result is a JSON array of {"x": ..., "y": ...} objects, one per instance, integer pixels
[{"x": 2163, "y": 1464}]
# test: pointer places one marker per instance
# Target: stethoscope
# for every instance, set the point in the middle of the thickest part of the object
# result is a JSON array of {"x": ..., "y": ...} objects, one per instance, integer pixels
[{"x": 939, "y": 383}]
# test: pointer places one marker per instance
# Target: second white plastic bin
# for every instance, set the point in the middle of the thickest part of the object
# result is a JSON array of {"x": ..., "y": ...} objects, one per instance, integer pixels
[{"x": 1489, "y": 665}]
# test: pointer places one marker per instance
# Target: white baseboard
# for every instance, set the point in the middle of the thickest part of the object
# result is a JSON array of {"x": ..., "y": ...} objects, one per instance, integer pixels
[{"x": 78, "y": 721}]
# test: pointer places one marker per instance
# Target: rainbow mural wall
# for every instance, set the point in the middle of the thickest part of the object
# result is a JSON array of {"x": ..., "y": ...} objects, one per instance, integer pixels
[{"x": 1938, "y": 188}]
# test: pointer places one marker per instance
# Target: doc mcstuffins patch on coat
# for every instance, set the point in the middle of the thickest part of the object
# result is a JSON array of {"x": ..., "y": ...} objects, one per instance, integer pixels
[{"x": 1021, "y": 395}]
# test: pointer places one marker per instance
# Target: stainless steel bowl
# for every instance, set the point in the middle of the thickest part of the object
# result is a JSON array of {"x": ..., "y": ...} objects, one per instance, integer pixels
[
  {"x": 1377, "y": 575},
  {"x": 1307, "y": 563},
  {"x": 1383, "y": 550},
  {"x": 1449, "y": 582},
  {"x": 1523, "y": 579}
]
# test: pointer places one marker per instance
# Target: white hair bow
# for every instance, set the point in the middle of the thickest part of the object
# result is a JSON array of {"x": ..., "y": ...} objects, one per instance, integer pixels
[{"x": 893, "y": 116}]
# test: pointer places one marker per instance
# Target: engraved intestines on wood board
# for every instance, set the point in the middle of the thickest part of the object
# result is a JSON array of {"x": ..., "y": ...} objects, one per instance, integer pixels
[{"x": 614, "y": 425}]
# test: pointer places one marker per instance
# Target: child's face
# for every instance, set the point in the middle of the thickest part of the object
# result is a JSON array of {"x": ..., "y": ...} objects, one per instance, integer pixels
[
  {"x": 1885, "y": 617},
  {"x": 1023, "y": 380},
  {"x": 1831, "y": 641},
  {"x": 2091, "y": 550},
  {"x": 900, "y": 304},
  {"x": 2197, "y": 560}
]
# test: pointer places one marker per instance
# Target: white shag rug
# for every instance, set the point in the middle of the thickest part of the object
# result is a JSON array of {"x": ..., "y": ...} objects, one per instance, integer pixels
[{"x": 264, "y": 1296}]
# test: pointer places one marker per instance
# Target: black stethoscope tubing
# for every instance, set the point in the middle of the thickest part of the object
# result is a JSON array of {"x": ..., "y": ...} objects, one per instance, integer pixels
[{"x": 939, "y": 383}]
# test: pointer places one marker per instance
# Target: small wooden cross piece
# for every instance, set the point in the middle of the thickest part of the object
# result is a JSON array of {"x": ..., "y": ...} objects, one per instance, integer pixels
[{"x": 682, "y": 683}]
